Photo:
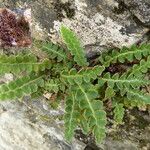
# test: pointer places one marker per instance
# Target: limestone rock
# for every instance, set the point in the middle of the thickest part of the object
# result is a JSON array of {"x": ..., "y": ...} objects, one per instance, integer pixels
[
  {"x": 32, "y": 126},
  {"x": 99, "y": 24},
  {"x": 141, "y": 9}
]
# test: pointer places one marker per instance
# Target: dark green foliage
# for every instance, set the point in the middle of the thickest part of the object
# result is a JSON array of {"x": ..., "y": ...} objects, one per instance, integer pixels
[
  {"x": 125, "y": 54},
  {"x": 21, "y": 87},
  {"x": 138, "y": 95},
  {"x": 93, "y": 111},
  {"x": 74, "y": 46},
  {"x": 68, "y": 76},
  {"x": 72, "y": 114},
  {"x": 54, "y": 85},
  {"x": 118, "y": 113},
  {"x": 20, "y": 63},
  {"x": 109, "y": 92},
  {"x": 123, "y": 81},
  {"x": 74, "y": 76},
  {"x": 54, "y": 51},
  {"x": 140, "y": 69}
]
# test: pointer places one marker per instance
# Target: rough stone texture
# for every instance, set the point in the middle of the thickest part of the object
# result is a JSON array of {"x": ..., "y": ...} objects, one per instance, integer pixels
[
  {"x": 100, "y": 24},
  {"x": 141, "y": 9},
  {"x": 32, "y": 125}
]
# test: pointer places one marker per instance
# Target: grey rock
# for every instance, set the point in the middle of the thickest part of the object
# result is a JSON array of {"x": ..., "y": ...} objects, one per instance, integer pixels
[
  {"x": 106, "y": 23},
  {"x": 30, "y": 125},
  {"x": 118, "y": 145},
  {"x": 141, "y": 9},
  {"x": 102, "y": 23}
]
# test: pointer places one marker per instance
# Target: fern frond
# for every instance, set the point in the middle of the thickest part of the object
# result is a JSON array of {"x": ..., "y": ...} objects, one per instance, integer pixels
[
  {"x": 109, "y": 93},
  {"x": 93, "y": 110},
  {"x": 139, "y": 69},
  {"x": 54, "y": 51},
  {"x": 138, "y": 95},
  {"x": 54, "y": 85},
  {"x": 122, "y": 81},
  {"x": 84, "y": 75},
  {"x": 21, "y": 87},
  {"x": 124, "y": 54},
  {"x": 74, "y": 46},
  {"x": 71, "y": 114},
  {"x": 131, "y": 103},
  {"x": 84, "y": 125},
  {"x": 119, "y": 113},
  {"x": 20, "y": 63}
]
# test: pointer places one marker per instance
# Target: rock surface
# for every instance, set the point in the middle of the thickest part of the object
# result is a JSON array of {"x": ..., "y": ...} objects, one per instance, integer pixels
[
  {"x": 32, "y": 125},
  {"x": 100, "y": 24},
  {"x": 140, "y": 9}
]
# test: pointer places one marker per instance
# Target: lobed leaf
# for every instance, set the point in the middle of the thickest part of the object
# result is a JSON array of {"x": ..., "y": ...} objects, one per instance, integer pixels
[
  {"x": 94, "y": 113},
  {"x": 21, "y": 87},
  {"x": 131, "y": 103},
  {"x": 138, "y": 70},
  {"x": 125, "y": 54},
  {"x": 74, "y": 46},
  {"x": 54, "y": 51},
  {"x": 52, "y": 85},
  {"x": 84, "y": 75},
  {"x": 71, "y": 114},
  {"x": 119, "y": 113},
  {"x": 138, "y": 95},
  {"x": 21, "y": 63},
  {"x": 121, "y": 82}
]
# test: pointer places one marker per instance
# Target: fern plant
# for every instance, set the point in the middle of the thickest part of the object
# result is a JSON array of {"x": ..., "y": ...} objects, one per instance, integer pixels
[{"x": 85, "y": 89}]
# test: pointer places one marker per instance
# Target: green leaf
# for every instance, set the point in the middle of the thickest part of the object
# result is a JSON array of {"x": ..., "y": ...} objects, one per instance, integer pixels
[
  {"x": 109, "y": 93},
  {"x": 119, "y": 113},
  {"x": 21, "y": 63},
  {"x": 71, "y": 114},
  {"x": 131, "y": 103},
  {"x": 54, "y": 51},
  {"x": 84, "y": 75},
  {"x": 21, "y": 87},
  {"x": 123, "y": 81},
  {"x": 74, "y": 46},
  {"x": 129, "y": 54},
  {"x": 139, "y": 95},
  {"x": 93, "y": 110},
  {"x": 139, "y": 69},
  {"x": 52, "y": 85}
]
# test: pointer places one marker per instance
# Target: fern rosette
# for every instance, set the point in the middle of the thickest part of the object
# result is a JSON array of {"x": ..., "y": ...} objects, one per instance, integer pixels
[{"x": 85, "y": 88}]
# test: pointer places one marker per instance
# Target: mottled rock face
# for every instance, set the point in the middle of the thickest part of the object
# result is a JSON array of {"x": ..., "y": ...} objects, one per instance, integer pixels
[
  {"x": 103, "y": 24},
  {"x": 32, "y": 125},
  {"x": 99, "y": 24},
  {"x": 140, "y": 9}
]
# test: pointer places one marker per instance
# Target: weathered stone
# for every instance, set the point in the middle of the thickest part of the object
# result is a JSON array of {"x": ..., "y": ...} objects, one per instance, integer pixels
[
  {"x": 6, "y": 78},
  {"x": 102, "y": 23},
  {"x": 31, "y": 125},
  {"x": 141, "y": 9},
  {"x": 106, "y": 23}
]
